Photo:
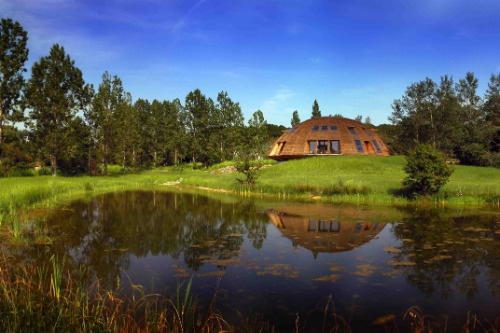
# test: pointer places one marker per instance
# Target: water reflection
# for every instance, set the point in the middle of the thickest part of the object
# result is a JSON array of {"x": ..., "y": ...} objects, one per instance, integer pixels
[
  {"x": 447, "y": 255},
  {"x": 104, "y": 232},
  {"x": 286, "y": 260},
  {"x": 318, "y": 235}
]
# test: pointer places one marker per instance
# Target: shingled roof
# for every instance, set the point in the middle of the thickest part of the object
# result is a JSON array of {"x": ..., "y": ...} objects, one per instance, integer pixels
[{"x": 328, "y": 136}]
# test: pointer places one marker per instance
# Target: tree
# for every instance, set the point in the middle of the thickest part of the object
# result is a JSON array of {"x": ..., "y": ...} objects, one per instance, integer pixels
[
  {"x": 127, "y": 138},
  {"x": 175, "y": 132},
  {"x": 295, "y": 118},
  {"x": 109, "y": 98},
  {"x": 427, "y": 171},
  {"x": 198, "y": 111},
  {"x": 228, "y": 122},
  {"x": 13, "y": 55},
  {"x": 449, "y": 130},
  {"x": 316, "y": 113},
  {"x": 492, "y": 111},
  {"x": 414, "y": 114},
  {"x": 473, "y": 148},
  {"x": 55, "y": 93},
  {"x": 257, "y": 134}
]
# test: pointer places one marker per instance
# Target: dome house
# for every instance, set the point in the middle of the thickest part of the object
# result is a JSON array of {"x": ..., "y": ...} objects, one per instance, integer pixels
[{"x": 328, "y": 136}]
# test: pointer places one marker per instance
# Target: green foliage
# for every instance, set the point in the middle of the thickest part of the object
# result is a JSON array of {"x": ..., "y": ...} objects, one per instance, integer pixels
[
  {"x": 316, "y": 113},
  {"x": 295, "y": 119},
  {"x": 55, "y": 93},
  {"x": 249, "y": 171},
  {"x": 426, "y": 170},
  {"x": 257, "y": 136},
  {"x": 451, "y": 117},
  {"x": 104, "y": 117},
  {"x": 13, "y": 55}
]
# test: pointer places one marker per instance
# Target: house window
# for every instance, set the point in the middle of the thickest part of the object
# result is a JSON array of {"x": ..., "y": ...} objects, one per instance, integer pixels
[
  {"x": 312, "y": 226},
  {"x": 335, "y": 226},
  {"x": 324, "y": 226},
  {"x": 312, "y": 147},
  {"x": 315, "y": 128},
  {"x": 335, "y": 147},
  {"x": 377, "y": 147},
  {"x": 324, "y": 128},
  {"x": 359, "y": 146},
  {"x": 322, "y": 147},
  {"x": 333, "y": 127},
  {"x": 353, "y": 131}
]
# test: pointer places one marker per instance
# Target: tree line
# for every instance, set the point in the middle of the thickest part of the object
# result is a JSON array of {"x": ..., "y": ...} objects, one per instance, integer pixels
[
  {"x": 451, "y": 117},
  {"x": 55, "y": 118},
  {"x": 76, "y": 128}
]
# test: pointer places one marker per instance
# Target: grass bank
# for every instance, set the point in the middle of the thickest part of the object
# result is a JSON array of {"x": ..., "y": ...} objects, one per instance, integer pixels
[
  {"x": 351, "y": 179},
  {"x": 366, "y": 180}
]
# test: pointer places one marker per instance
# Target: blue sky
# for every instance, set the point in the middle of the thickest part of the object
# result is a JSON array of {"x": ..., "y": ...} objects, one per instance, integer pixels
[{"x": 353, "y": 56}]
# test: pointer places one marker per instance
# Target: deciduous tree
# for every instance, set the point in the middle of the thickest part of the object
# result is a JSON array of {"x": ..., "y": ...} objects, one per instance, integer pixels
[{"x": 257, "y": 132}]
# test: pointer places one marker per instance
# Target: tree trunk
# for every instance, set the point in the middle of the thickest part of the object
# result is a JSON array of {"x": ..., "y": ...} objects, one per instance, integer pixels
[
  {"x": 155, "y": 156},
  {"x": 53, "y": 165},
  {"x": 1, "y": 126},
  {"x": 433, "y": 131},
  {"x": 105, "y": 159}
]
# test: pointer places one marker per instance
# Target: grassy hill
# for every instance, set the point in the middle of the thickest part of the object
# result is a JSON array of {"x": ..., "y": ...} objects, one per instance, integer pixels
[{"x": 355, "y": 179}]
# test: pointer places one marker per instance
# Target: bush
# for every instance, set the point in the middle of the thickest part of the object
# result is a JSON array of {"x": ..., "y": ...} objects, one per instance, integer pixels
[
  {"x": 427, "y": 171},
  {"x": 248, "y": 170}
]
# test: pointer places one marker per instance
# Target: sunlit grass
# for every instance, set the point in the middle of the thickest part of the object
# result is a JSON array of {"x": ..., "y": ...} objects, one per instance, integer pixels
[{"x": 352, "y": 179}]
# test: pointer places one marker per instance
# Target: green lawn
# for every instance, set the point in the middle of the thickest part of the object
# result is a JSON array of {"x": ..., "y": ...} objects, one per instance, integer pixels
[{"x": 357, "y": 179}]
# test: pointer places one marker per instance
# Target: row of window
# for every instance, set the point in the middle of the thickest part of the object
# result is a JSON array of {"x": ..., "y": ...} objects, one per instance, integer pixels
[
  {"x": 333, "y": 146},
  {"x": 316, "y": 128},
  {"x": 334, "y": 226},
  {"x": 352, "y": 130}
]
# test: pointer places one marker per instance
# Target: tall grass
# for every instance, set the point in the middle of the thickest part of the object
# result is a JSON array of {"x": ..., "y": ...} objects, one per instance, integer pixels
[{"x": 51, "y": 298}]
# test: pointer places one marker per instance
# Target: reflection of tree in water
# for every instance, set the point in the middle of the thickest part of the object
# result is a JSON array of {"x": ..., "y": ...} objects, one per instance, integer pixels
[
  {"x": 102, "y": 233},
  {"x": 441, "y": 254}
]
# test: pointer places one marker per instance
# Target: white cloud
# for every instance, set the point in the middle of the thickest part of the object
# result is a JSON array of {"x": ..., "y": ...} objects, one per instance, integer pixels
[{"x": 277, "y": 103}]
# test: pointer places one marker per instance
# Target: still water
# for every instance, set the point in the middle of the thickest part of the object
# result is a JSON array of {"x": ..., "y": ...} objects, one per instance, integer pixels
[{"x": 277, "y": 261}]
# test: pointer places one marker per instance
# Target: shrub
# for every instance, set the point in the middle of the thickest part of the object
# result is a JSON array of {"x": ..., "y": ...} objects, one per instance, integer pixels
[
  {"x": 427, "y": 171},
  {"x": 248, "y": 170}
]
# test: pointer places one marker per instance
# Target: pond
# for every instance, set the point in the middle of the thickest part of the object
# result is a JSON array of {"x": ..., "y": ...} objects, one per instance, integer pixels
[{"x": 277, "y": 262}]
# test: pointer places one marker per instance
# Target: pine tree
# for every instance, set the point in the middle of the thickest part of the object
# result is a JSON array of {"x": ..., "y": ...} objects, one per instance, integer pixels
[
  {"x": 55, "y": 93},
  {"x": 109, "y": 98},
  {"x": 13, "y": 55},
  {"x": 316, "y": 113},
  {"x": 295, "y": 118}
]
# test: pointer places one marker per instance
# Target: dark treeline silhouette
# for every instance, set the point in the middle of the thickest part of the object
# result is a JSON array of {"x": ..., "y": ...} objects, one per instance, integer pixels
[{"x": 56, "y": 119}]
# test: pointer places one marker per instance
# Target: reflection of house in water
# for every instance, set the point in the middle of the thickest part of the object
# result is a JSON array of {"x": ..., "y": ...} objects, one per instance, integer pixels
[{"x": 324, "y": 235}]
